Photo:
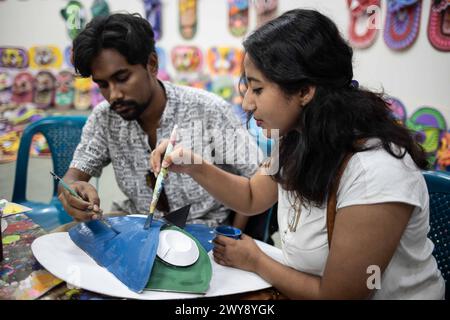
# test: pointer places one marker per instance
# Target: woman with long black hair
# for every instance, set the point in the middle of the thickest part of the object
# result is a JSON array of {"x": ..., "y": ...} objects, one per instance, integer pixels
[{"x": 353, "y": 207}]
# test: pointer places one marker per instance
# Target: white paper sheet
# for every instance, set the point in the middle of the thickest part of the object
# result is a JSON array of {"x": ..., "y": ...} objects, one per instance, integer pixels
[{"x": 60, "y": 256}]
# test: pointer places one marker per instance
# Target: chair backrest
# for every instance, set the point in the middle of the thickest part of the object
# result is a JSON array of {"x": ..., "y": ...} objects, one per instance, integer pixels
[
  {"x": 62, "y": 133},
  {"x": 438, "y": 184}
]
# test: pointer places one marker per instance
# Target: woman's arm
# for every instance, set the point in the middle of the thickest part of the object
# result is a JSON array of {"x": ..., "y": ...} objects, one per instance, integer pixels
[
  {"x": 248, "y": 196},
  {"x": 365, "y": 238}
]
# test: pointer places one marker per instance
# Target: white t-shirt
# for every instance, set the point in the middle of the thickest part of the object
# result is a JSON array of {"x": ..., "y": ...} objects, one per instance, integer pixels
[{"x": 371, "y": 177}]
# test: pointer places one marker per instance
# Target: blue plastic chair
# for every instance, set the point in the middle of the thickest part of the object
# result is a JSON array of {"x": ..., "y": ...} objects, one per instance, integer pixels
[
  {"x": 438, "y": 184},
  {"x": 63, "y": 134}
]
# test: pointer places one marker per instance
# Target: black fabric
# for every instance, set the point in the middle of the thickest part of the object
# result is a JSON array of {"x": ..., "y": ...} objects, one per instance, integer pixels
[{"x": 257, "y": 225}]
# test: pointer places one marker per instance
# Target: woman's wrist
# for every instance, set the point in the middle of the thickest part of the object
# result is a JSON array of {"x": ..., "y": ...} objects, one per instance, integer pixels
[
  {"x": 258, "y": 261},
  {"x": 197, "y": 168}
]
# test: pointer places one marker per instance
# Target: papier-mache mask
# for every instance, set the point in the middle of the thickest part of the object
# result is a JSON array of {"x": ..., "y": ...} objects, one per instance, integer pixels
[
  {"x": 82, "y": 100},
  {"x": 75, "y": 16},
  {"x": 5, "y": 87},
  {"x": 22, "y": 90},
  {"x": 13, "y": 57},
  {"x": 44, "y": 93},
  {"x": 64, "y": 90},
  {"x": 45, "y": 57}
]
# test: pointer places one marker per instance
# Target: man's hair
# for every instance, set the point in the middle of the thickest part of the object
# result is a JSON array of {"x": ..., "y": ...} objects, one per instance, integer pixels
[{"x": 130, "y": 34}]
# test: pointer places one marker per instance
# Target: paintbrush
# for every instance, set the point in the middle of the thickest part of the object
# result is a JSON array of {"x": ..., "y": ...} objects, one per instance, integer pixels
[
  {"x": 159, "y": 184},
  {"x": 73, "y": 193}
]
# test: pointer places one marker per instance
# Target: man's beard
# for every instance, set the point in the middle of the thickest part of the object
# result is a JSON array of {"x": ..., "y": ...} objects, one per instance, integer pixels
[{"x": 129, "y": 110}]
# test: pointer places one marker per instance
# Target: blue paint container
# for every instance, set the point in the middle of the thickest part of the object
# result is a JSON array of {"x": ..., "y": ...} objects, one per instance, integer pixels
[{"x": 228, "y": 231}]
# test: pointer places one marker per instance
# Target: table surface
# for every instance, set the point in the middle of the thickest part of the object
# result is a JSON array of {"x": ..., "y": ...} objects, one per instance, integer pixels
[{"x": 22, "y": 277}]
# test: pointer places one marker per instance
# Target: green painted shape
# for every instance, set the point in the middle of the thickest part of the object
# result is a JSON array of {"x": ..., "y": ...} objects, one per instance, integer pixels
[{"x": 191, "y": 279}]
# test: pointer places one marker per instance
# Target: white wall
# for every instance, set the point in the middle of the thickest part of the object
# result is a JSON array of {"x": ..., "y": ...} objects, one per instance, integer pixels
[{"x": 419, "y": 76}]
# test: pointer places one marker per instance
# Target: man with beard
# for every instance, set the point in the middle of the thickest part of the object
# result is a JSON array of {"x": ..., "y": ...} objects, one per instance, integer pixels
[{"x": 118, "y": 52}]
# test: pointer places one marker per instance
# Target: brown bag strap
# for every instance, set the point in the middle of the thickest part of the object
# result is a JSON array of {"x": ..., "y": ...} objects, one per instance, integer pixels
[{"x": 332, "y": 198}]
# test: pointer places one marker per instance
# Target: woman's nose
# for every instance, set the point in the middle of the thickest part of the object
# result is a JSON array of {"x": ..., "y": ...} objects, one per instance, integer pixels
[{"x": 247, "y": 104}]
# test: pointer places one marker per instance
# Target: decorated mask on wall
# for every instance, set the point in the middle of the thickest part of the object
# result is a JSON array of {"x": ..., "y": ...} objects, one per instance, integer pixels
[
  {"x": 100, "y": 8},
  {"x": 13, "y": 58},
  {"x": 45, "y": 57},
  {"x": 429, "y": 125},
  {"x": 187, "y": 58},
  {"x": 225, "y": 60},
  {"x": 75, "y": 16},
  {"x": 224, "y": 87},
  {"x": 5, "y": 87},
  {"x": 22, "y": 90},
  {"x": 64, "y": 90},
  {"x": 82, "y": 100},
  {"x": 44, "y": 89}
]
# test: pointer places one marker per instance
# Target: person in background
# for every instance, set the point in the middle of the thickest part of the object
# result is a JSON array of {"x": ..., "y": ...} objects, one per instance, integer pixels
[
  {"x": 338, "y": 141},
  {"x": 118, "y": 52}
]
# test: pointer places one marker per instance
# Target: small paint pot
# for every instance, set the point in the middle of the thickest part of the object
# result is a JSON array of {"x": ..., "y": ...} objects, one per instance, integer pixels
[{"x": 228, "y": 231}]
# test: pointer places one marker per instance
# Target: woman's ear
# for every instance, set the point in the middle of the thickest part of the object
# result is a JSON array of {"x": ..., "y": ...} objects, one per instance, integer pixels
[
  {"x": 307, "y": 94},
  {"x": 152, "y": 64}
]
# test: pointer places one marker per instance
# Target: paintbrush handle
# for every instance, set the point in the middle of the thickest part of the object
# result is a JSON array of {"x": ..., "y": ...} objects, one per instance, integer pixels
[{"x": 164, "y": 172}]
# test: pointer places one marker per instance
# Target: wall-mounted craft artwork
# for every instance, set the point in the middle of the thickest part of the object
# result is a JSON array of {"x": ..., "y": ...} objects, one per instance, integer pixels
[
  {"x": 12, "y": 57},
  {"x": 364, "y": 20},
  {"x": 238, "y": 17},
  {"x": 266, "y": 10},
  {"x": 429, "y": 125},
  {"x": 42, "y": 57},
  {"x": 225, "y": 60},
  {"x": 187, "y": 59},
  {"x": 439, "y": 25},
  {"x": 153, "y": 13},
  {"x": 75, "y": 18},
  {"x": 64, "y": 90},
  {"x": 402, "y": 23},
  {"x": 187, "y": 12},
  {"x": 22, "y": 88},
  {"x": 44, "y": 89}
]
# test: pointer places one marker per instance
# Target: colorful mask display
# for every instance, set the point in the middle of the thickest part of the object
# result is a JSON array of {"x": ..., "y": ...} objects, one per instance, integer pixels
[
  {"x": 402, "y": 23},
  {"x": 44, "y": 89},
  {"x": 364, "y": 16},
  {"x": 68, "y": 56},
  {"x": 224, "y": 86},
  {"x": 75, "y": 17},
  {"x": 13, "y": 58},
  {"x": 45, "y": 57},
  {"x": 266, "y": 10},
  {"x": 82, "y": 100},
  {"x": 64, "y": 90},
  {"x": 238, "y": 17},
  {"x": 398, "y": 109},
  {"x": 439, "y": 25},
  {"x": 99, "y": 8},
  {"x": 5, "y": 87},
  {"x": 429, "y": 125},
  {"x": 187, "y": 59},
  {"x": 225, "y": 60},
  {"x": 154, "y": 16},
  {"x": 187, "y": 18},
  {"x": 443, "y": 155},
  {"x": 22, "y": 90}
]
